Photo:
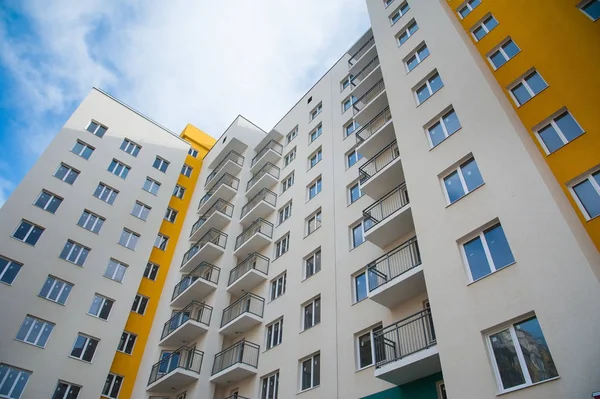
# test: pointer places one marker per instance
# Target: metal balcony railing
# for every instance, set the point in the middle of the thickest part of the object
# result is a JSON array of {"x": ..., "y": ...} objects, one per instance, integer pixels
[
  {"x": 226, "y": 179},
  {"x": 359, "y": 53},
  {"x": 205, "y": 271},
  {"x": 260, "y": 225},
  {"x": 220, "y": 206},
  {"x": 367, "y": 69},
  {"x": 195, "y": 311},
  {"x": 212, "y": 236},
  {"x": 271, "y": 145},
  {"x": 236, "y": 396},
  {"x": 386, "y": 206},
  {"x": 405, "y": 337},
  {"x": 255, "y": 261},
  {"x": 373, "y": 125},
  {"x": 184, "y": 358},
  {"x": 366, "y": 98},
  {"x": 249, "y": 303},
  {"x": 231, "y": 156},
  {"x": 267, "y": 168},
  {"x": 241, "y": 352},
  {"x": 379, "y": 161},
  {"x": 398, "y": 261},
  {"x": 263, "y": 195}
]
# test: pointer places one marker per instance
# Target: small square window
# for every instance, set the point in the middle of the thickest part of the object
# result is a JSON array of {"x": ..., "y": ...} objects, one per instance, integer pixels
[
  {"x": 160, "y": 164},
  {"x": 66, "y": 173},
  {"x": 311, "y": 313},
  {"x": 315, "y": 158},
  {"x": 35, "y": 331},
  {"x": 462, "y": 180},
  {"x": 467, "y": 7},
  {"x": 127, "y": 342},
  {"x": 118, "y": 169},
  {"x": 112, "y": 386},
  {"x": 101, "y": 307},
  {"x": 399, "y": 13},
  {"x": 140, "y": 303},
  {"x": 316, "y": 111},
  {"x": 278, "y": 286},
  {"x": 526, "y": 88},
  {"x": 416, "y": 57},
  {"x": 484, "y": 27},
  {"x": 487, "y": 252},
  {"x": 315, "y": 133},
  {"x": 178, "y": 192},
  {"x": 28, "y": 232},
  {"x": 151, "y": 186},
  {"x": 186, "y": 170},
  {"x": 82, "y": 149},
  {"x": 407, "y": 32},
  {"x": 591, "y": 8},
  {"x": 313, "y": 222},
  {"x": 106, "y": 193},
  {"x": 282, "y": 246},
  {"x": 352, "y": 157},
  {"x": 75, "y": 253},
  {"x": 91, "y": 222},
  {"x": 558, "y": 132},
  {"x": 426, "y": 89},
  {"x": 129, "y": 239},
  {"x": 84, "y": 348},
  {"x": 151, "y": 271},
  {"x": 96, "y": 129},
  {"x": 291, "y": 135},
  {"x": 48, "y": 201},
  {"x": 285, "y": 212},
  {"x": 115, "y": 270},
  {"x": 587, "y": 195},
  {"x": 312, "y": 264},
  {"x": 140, "y": 210},
  {"x": 9, "y": 270},
  {"x": 315, "y": 188},
  {"x": 442, "y": 128},
  {"x": 503, "y": 53},
  {"x": 130, "y": 147},
  {"x": 171, "y": 215}
]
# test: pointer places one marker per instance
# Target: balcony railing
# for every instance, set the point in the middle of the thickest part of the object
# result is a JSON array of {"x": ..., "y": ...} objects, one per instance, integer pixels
[
  {"x": 267, "y": 168},
  {"x": 231, "y": 156},
  {"x": 405, "y": 337},
  {"x": 220, "y": 206},
  {"x": 194, "y": 311},
  {"x": 249, "y": 303},
  {"x": 263, "y": 195},
  {"x": 260, "y": 225},
  {"x": 359, "y": 53},
  {"x": 184, "y": 358},
  {"x": 373, "y": 125},
  {"x": 205, "y": 271},
  {"x": 398, "y": 261},
  {"x": 212, "y": 236},
  {"x": 226, "y": 179},
  {"x": 255, "y": 261},
  {"x": 242, "y": 352},
  {"x": 379, "y": 161},
  {"x": 271, "y": 145},
  {"x": 236, "y": 396},
  {"x": 367, "y": 69},
  {"x": 386, "y": 206},
  {"x": 366, "y": 98}
]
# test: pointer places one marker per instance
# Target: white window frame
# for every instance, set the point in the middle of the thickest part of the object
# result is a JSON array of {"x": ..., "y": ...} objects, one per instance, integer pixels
[
  {"x": 119, "y": 266},
  {"x": 317, "y": 155},
  {"x": 128, "y": 241},
  {"x": 83, "y": 148},
  {"x": 355, "y": 127},
  {"x": 141, "y": 304},
  {"x": 153, "y": 185},
  {"x": 123, "y": 348},
  {"x": 315, "y": 111},
  {"x": 371, "y": 332},
  {"x": 95, "y": 131},
  {"x": 52, "y": 196},
  {"x": 186, "y": 170},
  {"x": 315, "y": 184},
  {"x": 521, "y": 80},
  {"x": 500, "y": 49},
  {"x": 32, "y": 226},
  {"x": 267, "y": 394},
  {"x": 112, "y": 384},
  {"x": 415, "y": 54},
  {"x": 482, "y": 24},
  {"x": 291, "y": 135},
  {"x": 178, "y": 190},
  {"x": 282, "y": 246},
  {"x": 287, "y": 182},
  {"x": 171, "y": 215},
  {"x": 346, "y": 82},
  {"x": 9, "y": 263},
  {"x": 461, "y": 178},
  {"x": 88, "y": 340},
  {"x": 151, "y": 268},
  {"x": 124, "y": 171},
  {"x": 55, "y": 281},
  {"x": 68, "y": 386},
  {"x": 350, "y": 100},
  {"x": 70, "y": 170},
  {"x": 35, "y": 335},
  {"x": 399, "y": 12},
  {"x": 587, "y": 176},
  {"x": 318, "y": 130},
  {"x": 161, "y": 242},
  {"x": 130, "y": 147},
  {"x": 317, "y": 218},
  {"x": 349, "y": 154},
  {"x": 426, "y": 83},
  {"x": 96, "y": 221},
  {"x": 106, "y": 189},
  {"x": 312, "y": 303},
  {"x": 285, "y": 212},
  {"x": 583, "y": 4},
  {"x": 312, "y": 372},
  {"x": 551, "y": 120},
  {"x": 361, "y": 223},
  {"x": 479, "y": 233},
  {"x": 316, "y": 267},
  {"x": 441, "y": 390},
  {"x": 442, "y": 123},
  {"x": 19, "y": 375},
  {"x": 362, "y": 271},
  {"x": 161, "y": 162},
  {"x": 103, "y": 301},
  {"x": 75, "y": 245},
  {"x": 275, "y": 340},
  {"x": 280, "y": 283},
  {"x": 467, "y": 5},
  {"x": 349, "y": 189},
  {"x": 193, "y": 152},
  {"x": 406, "y": 30},
  {"x": 289, "y": 157}
]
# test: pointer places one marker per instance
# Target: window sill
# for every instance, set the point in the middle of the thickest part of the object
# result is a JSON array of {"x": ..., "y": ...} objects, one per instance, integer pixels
[
  {"x": 364, "y": 368},
  {"x": 96, "y": 317},
  {"x": 79, "y": 360},
  {"x": 274, "y": 299},
  {"x": 312, "y": 232},
  {"x": 526, "y": 386},
  {"x": 491, "y": 274},
  {"x": 476, "y": 188},
  {"x": 308, "y": 329},
  {"x": 29, "y": 343},
  {"x": 307, "y": 278},
  {"x": 308, "y": 389}
]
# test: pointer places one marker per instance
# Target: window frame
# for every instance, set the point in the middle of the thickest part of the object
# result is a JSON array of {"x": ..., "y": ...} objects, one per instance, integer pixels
[
  {"x": 31, "y": 228},
  {"x": 171, "y": 215},
  {"x": 96, "y": 129},
  {"x": 551, "y": 121},
  {"x": 88, "y": 339},
  {"x": 278, "y": 284},
  {"x": 140, "y": 304},
  {"x": 4, "y": 269},
  {"x": 80, "y": 254},
  {"x": 68, "y": 387},
  {"x": 315, "y": 111},
  {"x": 130, "y": 233},
  {"x": 349, "y": 190},
  {"x": 316, "y": 263},
  {"x": 272, "y": 340},
  {"x": 301, "y": 362},
  {"x": 37, "y": 336},
  {"x": 193, "y": 152},
  {"x": 318, "y": 130},
  {"x": 70, "y": 170},
  {"x": 112, "y": 384},
  {"x": 584, "y": 4},
  {"x": 426, "y": 82},
  {"x": 291, "y": 135},
  {"x": 123, "y": 173},
  {"x": 415, "y": 54},
  {"x": 162, "y": 241},
  {"x": 153, "y": 183},
  {"x": 119, "y": 266},
  {"x": 458, "y": 168},
  {"x": 317, "y": 216},
  {"x": 371, "y": 332},
  {"x": 104, "y": 301},
  {"x": 84, "y": 147},
  {"x": 440, "y": 119},
  {"x": 60, "y": 292},
  {"x": 467, "y": 5},
  {"x": 178, "y": 189},
  {"x": 290, "y": 156},
  {"x": 46, "y": 205},
  {"x": 400, "y": 12},
  {"x": 589, "y": 177},
  {"x": 96, "y": 224},
  {"x": 287, "y": 182},
  {"x": 284, "y": 213},
  {"x": 106, "y": 188},
  {"x": 406, "y": 29},
  {"x": 282, "y": 246},
  {"x": 313, "y": 303},
  {"x": 151, "y": 268},
  {"x": 354, "y": 125},
  {"x": 500, "y": 49},
  {"x": 353, "y": 226},
  {"x": 317, "y": 155},
  {"x": 482, "y": 24},
  {"x": 186, "y": 170},
  {"x": 161, "y": 161},
  {"x": 266, "y": 379},
  {"x": 128, "y": 144},
  {"x": 20, "y": 374},
  {"x": 123, "y": 348},
  {"x": 522, "y": 81},
  {"x": 317, "y": 184},
  {"x": 357, "y": 156}
]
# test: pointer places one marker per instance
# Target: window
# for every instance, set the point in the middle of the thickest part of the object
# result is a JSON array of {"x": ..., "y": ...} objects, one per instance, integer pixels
[
  {"x": 358, "y": 232},
  {"x": 353, "y": 157},
  {"x": 287, "y": 182},
  {"x": 468, "y": 7},
  {"x": 441, "y": 389},
  {"x": 558, "y": 132},
  {"x": 28, "y": 232},
  {"x": 151, "y": 271},
  {"x": 386, "y": 3},
  {"x": 96, "y": 129},
  {"x": 270, "y": 387},
  {"x": 291, "y": 135},
  {"x": 408, "y": 32},
  {"x": 487, "y": 252},
  {"x": 84, "y": 348},
  {"x": 141, "y": 210},
  {"x": 35, "y": 331},
  {"x": 311, "y": 313},
  {"x": 193, "y": 152},
  {"x": 115, "y": 270},
  {"x": 354, "y": 192},
  {"x": 310, "y": 370},
  {"x": 90, "y": 221},
  {"x": 315, "y": 158},
  {"x": 112, "y": 386},
  {"x": 591, "y": 9},
  {"x": 9, "y": 270},
  {"x": 130, "y": 147},
  {"x": 366, "y": 353},
  {"x": 362, "y": 282},
  {"x": 82, "y": 149},
  {"x": 161, "y": 242},
  {"x": 66, "y": 390},
  {"x": 400, "y": 11},
  {"x": 462, "y": 181},
  {"x": 118, "y": 169},
  {"x": 428, "y": 88},
  {"x": 129, "y": 239},
  {"x": 151, "y": 186},
  {"x": 507, "y": 50},
  {"x": 274, "y": 333},
  {"x": 127, "y": 342},
  {"x": 417, "y": 57},
  {"x": 139, "y": 304},
  {"x": 587, "y": 195},
  {"x": 56, "y": 290},
  {"x": 521, "y": 355},
  {"x": 74, "y": 253},
  {"x": 48, "y": 201},
  {"x": 484, "y": 28},
  {"x": 106, "y": 193},
  {"x": 171, "y": 215},
  {"x": 313, "y": 222},
  {"x": 527, "y": 88},
  {"x": 316, "y": 111},
  {"x": 347, "y": 103},
  {"x": 289, "y": 157},
  {"x": 316, "y": 133},
  {"x": 285, "y": 213},
  {"x": 312, "y": 264},
  {"x": 186, "y": 170},
  {"x": 278, "y": 286},
  {"x": 443, "y": 127},
  {"x": 350, "y": 128},
  {"x": 346, "y": 82},
  {"x": 178, "y": 191},
  {"x": 101, "y": 307},
  {"x": 315, "y": 188},
  {"x": 12, "y": 381},
  {"x": 66, "y": 173},
  {"x": 282, "y": 246},
  {"x": 160, "y": 164}
]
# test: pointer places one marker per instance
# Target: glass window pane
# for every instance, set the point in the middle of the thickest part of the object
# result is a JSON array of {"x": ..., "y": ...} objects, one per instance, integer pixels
[
  {"x": 403, "y": 37},
  {"x": 476, "y": 259},
  {"x": 589, "y": 197},
  {"x": 550, "y": 138},
  {"x": 535, "y": 82},
  {"x": 64, "y": 294},
  {"x": 45, "y": 333},
  {"x": 436, "y": 133},
  {"x": 535, "y": 350},
  {"x": 360, "y": 285},
  {"x": 508, "y": 364},
  {"x": 364, "y": 350},
  {"x": 8, "y": 274},
  {"x": 521, "y": 93},
  {"x": 464, "y": 11},
  {"x": 498, "y": 59},
  {"x": 306, "y": 374},
  {"x": 451, "y": 122},
  {"x": 423, "y": 52},
  {"x": 100, "y": 132},
  {"x": 89, "y": 350},
  {"x": 490, "y": 23},
  {"x": 92, "y": 127},
  {"x": 479, "y": 33},
  {"x": 510, "y": 48},
  {"x": 423, "y": 93},
  {"x": 567, "y": 125},
  {"x": 35, "y": 234},
  {"x": 453, "y": 187},
  {"x": 593, "y": 9},
  {"x": 499, "y": 248},
  {"x": 411, "y": 63},
  {"x": 436, "y": 83},
  {"x": 357, "y": 235},
  {"x": 316, "y": 370},
  {"x": 471, "y": 175},
  {"x": 78, "y": 347}
]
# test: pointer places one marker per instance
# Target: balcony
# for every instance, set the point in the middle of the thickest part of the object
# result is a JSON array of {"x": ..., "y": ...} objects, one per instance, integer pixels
[
  {"x": 176, "y": 370},
  {"x": 260, "y": 206},
  {"x": 242, "y": 315},
  {"x": 271, "y": 153},
  {"x": 266, "y": 177},
  {"x": 248, "y": 274},
  {"x": 381, "y": 173},
  {"x": 360, "y": 57},
  {"x": 186, "y": 325},
  {"x": 370, "y": 104},
  {"x": 196, "y": 285},
  {"x": 397, "y": 276},
  {"x": 390, "y": 218},
  {"x": 235, "y": 363},
  {"x": 207, "y": 249},
  {"x": 225, "y": 188},
  {"x": 217, "y": 216},
  {"x": 254, "y": 238},
  {"x": 376, "y": 134},
  {"x": 231, "y": 164},
  {"x": 407, "y": 351},
  {"x": 366, "y": 77}
]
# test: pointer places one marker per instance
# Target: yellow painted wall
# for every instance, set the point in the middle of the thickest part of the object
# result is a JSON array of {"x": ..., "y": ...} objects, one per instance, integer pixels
[
  {"x": 563, "y": 44},
  {"x": 127, "y": 365}
]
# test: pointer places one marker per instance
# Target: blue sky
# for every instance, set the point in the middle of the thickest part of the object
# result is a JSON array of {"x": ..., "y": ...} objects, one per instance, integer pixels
[{"x": 179, "y": 61}]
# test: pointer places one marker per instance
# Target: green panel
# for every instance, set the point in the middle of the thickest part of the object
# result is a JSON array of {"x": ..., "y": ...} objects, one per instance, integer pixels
[{"x": 425, "y": 388}]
